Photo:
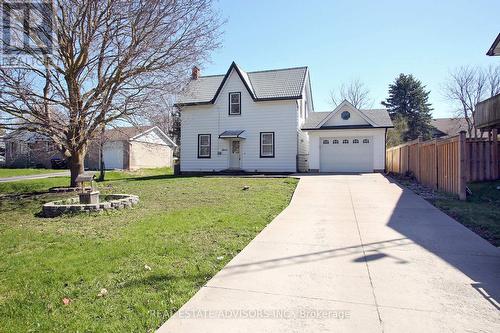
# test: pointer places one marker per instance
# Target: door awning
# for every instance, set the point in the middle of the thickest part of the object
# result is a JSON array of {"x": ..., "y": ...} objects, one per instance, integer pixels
[{"x": 230, "y": 134}]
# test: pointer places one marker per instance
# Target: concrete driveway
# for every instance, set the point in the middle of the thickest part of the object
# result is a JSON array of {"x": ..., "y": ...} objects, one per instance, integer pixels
[{"x": 353, "y": 253}]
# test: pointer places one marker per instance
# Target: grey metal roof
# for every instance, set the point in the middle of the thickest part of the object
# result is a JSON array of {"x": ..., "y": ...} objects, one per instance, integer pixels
[
  {"x": 287, "y": 83},
  {"x": 379, "y": 117},
  {"x": 314, "y": 118},
  {"x": 495, "y": 47},
  {"x": 231, "y": 134}
]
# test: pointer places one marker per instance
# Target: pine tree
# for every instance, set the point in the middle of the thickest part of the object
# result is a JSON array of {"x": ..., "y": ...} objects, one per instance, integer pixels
[{"x": 409, "y": 99}]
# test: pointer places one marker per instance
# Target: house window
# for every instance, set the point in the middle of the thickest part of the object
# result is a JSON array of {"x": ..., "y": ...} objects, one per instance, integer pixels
[
  {"x": 234, "y": 103},
  {"x": 325, "y": 142},
  {"x": 366, "y": 141},
  {"x": 335, "y": 142},
  {"x": 345, "y": 141},
  {"x": 355, "y": 141},
  {"x": 204, "y": 145},
  {"x": 266, "y": 144}
]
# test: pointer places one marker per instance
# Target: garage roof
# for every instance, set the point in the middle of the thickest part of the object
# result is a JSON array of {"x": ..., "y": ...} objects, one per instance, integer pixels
[
  {"x": 276, "y": 84},
  {"x": 376, "y": 117}
]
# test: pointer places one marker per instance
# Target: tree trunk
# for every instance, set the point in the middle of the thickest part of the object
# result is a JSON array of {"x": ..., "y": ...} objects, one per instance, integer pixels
[
  {"x": 76, "y": 165},
  {"x": 101, "y": 156}
]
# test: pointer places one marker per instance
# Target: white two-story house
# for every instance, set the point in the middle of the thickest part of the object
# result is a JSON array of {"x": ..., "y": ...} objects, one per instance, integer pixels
[{"x": 264, "y": 121}]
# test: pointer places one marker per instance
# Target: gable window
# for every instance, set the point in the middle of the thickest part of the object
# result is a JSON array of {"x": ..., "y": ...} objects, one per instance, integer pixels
[
  {"x": 266, "y": 144},
  {"x": 204, "y": 145},
  {"x": 234, "y": 103}
]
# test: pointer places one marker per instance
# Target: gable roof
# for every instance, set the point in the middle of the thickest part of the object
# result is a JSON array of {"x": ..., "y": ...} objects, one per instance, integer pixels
[
  {"x": 133, "y": 132},
  {"x": 451, "y": 126},
  {"x": 269, "y": 85},
  {"x": 375, "y": 117},
  {"x": 124, "y": 133},
  {"x": 495, "y": 47}
]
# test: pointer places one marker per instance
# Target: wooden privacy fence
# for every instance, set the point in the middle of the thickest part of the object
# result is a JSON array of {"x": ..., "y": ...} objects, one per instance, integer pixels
[{"x": 447, "y": 164}]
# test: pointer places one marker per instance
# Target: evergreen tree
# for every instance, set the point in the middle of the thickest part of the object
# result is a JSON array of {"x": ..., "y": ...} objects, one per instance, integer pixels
[{"x": 409, "y": 100}]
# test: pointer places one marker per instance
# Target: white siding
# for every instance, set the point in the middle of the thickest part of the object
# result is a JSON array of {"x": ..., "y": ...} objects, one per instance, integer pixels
[
  {"x": 113, "y": 155},
  {"x": 151, "y": 137},
  {"x": 274, "y": 116},
  {"x": 354, "y": 119},
  {"x": 378, "y": 135}
]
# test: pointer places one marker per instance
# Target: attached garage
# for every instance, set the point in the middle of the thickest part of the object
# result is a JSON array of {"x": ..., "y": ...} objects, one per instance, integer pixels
[
  {"x": 347, "y": 139},
  {"x": 346, "y": 154}
]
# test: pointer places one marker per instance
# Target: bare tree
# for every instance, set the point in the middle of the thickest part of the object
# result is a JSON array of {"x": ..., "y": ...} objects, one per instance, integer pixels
[
  {"x": 108, "y": 57},
  {"x": 467, "y": 86},
  {"x": 355, "y": 92}
]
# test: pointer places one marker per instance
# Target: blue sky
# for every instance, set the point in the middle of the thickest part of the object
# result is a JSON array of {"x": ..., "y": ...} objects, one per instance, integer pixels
[{"x": 370, "y": 40}]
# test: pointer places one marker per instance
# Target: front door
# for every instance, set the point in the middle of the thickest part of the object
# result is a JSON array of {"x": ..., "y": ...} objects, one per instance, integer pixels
[{"x": 234, "y": 156}]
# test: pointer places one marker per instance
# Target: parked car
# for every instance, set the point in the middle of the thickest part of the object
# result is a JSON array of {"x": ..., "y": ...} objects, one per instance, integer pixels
[{"x": 59, "y": 163}]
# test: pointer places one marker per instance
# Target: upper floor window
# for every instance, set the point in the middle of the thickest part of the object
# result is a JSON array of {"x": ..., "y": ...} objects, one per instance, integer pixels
[
  {"x": 355, "y": 141},
  {"x": 234, "y": 103},
  {"x": 204, "y": 145}
]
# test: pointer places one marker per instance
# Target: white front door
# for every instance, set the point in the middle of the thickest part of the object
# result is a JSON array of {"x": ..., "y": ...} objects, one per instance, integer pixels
[{"x": 234, "y": 156}]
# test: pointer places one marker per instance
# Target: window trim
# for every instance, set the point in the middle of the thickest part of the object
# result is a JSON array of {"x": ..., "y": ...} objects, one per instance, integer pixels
[
  {"x": 209, "y": 145},
  {"x": 260, "y": 145},
  {"x": 229, "y": 103}
]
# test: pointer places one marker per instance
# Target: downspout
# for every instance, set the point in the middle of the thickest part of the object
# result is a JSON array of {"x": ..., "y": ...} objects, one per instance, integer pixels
[{"x": 385, "y": 151}]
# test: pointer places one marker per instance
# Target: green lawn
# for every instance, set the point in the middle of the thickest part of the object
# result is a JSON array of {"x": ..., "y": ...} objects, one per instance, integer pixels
[
  {"x": 8, "y": 172},
  {"x": 184, "y": 229},
  {"x": 481, "y": 211}
]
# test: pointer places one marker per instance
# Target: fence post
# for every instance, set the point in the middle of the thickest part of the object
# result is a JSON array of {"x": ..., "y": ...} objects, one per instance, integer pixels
[
  {"x": 462, "y": 195},
  {"x": 417, "y": 173},
  {"x": 436, "y": 167},
  {"x": 494, "y": 155}
]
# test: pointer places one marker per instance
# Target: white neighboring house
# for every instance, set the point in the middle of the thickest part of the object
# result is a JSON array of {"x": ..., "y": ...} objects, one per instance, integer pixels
[{"x": 264, "y": 121}]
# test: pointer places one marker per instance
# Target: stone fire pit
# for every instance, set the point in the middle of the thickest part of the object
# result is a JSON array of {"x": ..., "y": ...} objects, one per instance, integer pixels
[
  {"x": 73, "y": 205},
  {"x": 89, "y": 200}
]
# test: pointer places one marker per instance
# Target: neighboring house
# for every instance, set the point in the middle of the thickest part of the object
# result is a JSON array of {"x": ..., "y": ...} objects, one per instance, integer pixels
[
  {"x": 487, "y": 115},
  {"x": 2, "y": 150},
  {"x": 124, "y": 148},
  {"x": 451, "y": 126},
  {"x": 264, "y": 121},
  {"x": 132, "y": 148},
  {"x": 494, "y": 49},
  {"x": 25, "y": 149}
]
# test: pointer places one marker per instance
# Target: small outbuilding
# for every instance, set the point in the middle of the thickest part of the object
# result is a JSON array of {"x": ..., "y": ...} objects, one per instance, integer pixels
[{"x": 132, "y": 148}]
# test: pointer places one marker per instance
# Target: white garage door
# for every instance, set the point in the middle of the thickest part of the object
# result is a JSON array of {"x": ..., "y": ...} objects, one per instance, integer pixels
[
  {"x": 346, "y": 154},
  {"x": 113, "y": 155}
]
